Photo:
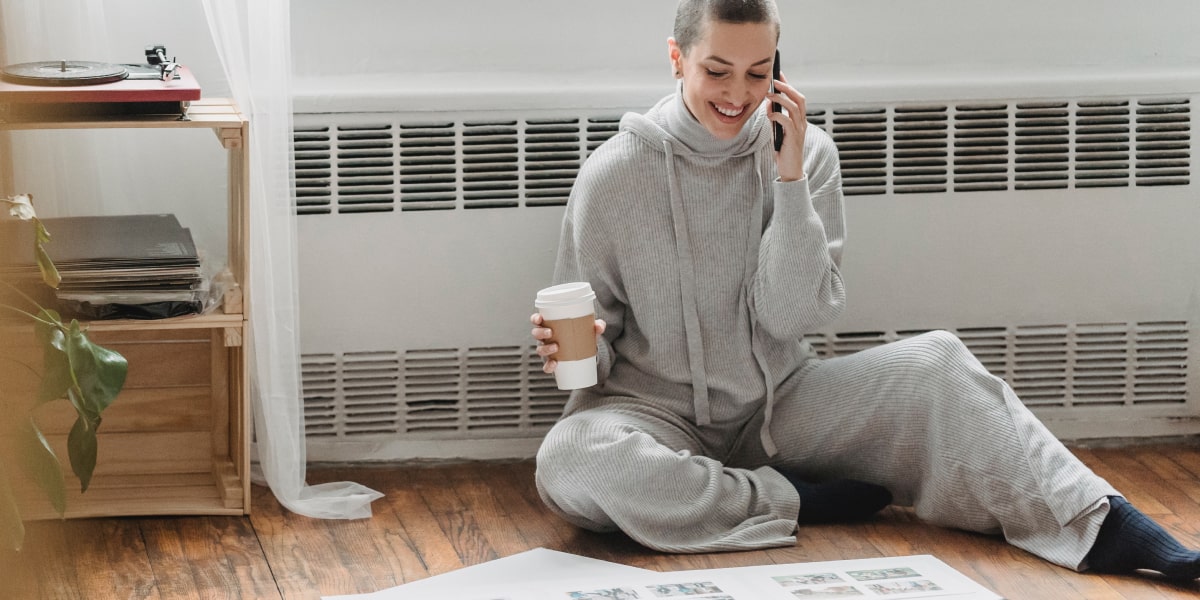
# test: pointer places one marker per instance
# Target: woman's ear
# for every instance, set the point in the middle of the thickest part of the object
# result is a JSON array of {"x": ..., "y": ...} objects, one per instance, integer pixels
[{"x": 676, "y": 56}]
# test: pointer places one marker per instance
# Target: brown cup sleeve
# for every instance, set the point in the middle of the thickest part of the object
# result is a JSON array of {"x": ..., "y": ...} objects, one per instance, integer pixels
[{"x": 576, "y": 338}]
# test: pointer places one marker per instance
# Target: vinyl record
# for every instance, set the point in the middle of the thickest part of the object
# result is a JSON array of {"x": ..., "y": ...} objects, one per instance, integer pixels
[{"x": 64, "y": 72}]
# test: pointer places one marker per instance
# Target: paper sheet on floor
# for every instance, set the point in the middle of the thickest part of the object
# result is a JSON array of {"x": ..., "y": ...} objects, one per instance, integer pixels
[
  {"x": 536, "y": 578},
  {"x": 532, "y": 565}
]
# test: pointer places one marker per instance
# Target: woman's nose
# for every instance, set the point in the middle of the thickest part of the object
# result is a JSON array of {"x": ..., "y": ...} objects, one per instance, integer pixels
[{"x": 736, "y": 92}]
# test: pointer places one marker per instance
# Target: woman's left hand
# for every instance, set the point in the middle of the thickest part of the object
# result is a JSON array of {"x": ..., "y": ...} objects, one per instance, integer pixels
[{"x": 789, "y": 160}]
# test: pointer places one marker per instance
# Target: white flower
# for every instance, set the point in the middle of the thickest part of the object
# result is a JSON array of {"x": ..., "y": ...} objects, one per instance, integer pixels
[{"x": 21, "y": 207}]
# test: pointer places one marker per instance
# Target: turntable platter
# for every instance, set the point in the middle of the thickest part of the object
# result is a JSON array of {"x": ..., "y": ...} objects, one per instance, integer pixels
[{"x": 64, "y": 73}]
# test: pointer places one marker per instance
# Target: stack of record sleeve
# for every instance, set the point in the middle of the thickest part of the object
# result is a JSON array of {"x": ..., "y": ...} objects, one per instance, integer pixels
[{"x": 112, "y": 267}]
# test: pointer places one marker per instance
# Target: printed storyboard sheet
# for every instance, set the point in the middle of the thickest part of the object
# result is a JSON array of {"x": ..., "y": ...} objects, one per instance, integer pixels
[
  {"x": 531, "y": 565},
  {"x": 921, "y": 576}
]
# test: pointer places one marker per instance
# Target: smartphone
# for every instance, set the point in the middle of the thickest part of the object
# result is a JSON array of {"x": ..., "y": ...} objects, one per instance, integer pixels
[{"x": 775, "y": 105}]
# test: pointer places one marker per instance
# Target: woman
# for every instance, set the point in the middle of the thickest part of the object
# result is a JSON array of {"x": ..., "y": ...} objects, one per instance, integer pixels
[{"x": 713, "y": 426}]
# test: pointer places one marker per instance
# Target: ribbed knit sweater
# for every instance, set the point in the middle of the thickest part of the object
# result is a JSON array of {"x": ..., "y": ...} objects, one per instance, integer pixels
[{"x": 708, "y": 270}]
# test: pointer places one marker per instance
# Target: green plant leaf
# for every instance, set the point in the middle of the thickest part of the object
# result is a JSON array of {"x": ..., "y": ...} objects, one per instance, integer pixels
[
  {"x": 12, "y": 529},
  {"x": 56, "y": 366},
  {"x": 50, "y": 273},
  {"x": 50, "y": 334},
  {"x": 43, "y": 236},
  {"x": 99, "y": 372},
  {"x": 41, "y": 464},
  {"x": 82, "y": 447}
]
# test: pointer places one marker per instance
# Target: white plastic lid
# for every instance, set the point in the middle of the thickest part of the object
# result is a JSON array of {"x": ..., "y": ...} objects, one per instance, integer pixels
[{"x": 565, "y": 294}]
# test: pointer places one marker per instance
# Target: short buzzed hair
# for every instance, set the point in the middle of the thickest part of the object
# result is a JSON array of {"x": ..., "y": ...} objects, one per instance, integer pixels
[{"x": 691, "y": 16}]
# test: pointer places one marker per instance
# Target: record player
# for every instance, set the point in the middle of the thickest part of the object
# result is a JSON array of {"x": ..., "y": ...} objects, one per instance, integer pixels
[{"x": 70, "y": 88}]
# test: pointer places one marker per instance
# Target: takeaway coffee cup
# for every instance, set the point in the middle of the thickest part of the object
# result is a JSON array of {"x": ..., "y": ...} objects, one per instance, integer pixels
[{"x": 570, "y": 313}]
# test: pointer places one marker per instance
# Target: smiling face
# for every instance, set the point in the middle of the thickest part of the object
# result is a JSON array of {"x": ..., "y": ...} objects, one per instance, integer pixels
[{"x": 726, "y": 73}]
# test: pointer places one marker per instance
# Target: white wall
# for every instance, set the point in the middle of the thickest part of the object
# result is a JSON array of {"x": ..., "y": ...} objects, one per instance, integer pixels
[
  {"x": 123, "y": 171},
  {"x": 407, "y": 44},
  {"x": 396, "y": 39},
  {"x": 629, "y": 35}
]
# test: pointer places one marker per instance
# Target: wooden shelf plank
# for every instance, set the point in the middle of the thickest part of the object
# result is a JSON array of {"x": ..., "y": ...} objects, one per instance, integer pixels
[
  {"x": 216, "y": 320},
  {"x": 143, "y": 495},
  {"x": 207, "y": 113}
]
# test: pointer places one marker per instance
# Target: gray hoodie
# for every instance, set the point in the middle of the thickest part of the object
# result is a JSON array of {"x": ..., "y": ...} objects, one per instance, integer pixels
[{"x": 708, "y": 270}]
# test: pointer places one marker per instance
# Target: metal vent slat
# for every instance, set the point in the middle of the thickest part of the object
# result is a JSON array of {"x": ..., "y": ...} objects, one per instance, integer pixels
[
  {"x": 862, "y": 139},
  {"x": 428, "y": 171},
  {"x": 313, "y": 153},
  {"x": 553, "y": 154},
  {"x": 319, "y": 379},
  {"x": 1043, "y": 144},
  {"x": 546, "y": 401},
  {"x": 501, "y": 391},
  {"x": 919, "y": 155},
  {"x": 1100, "y": 375},
  {"x": 821, "y": 344},
  {"x": 493, "y": 388},
  {"x": 1102, "y": 144},
  {"x": 490, "y": 164},
  {"x": 599, "y": 130},
  {"x": 365, "y": 159},
  {"x": 442, "y": 393},
  {"x": 1040, "y": 365},
  {"x": 844, "y": 344},
  {"x": 1164, "y": 142},
  {"x": 899, "y": 149},
  {"x": 370, "y": 383},
  {"x": 990, "y": 346},
  {"x": 1160, "y": 375},
  {"x": 431, "y": 393},
  {"x": 981, "y": 148}
]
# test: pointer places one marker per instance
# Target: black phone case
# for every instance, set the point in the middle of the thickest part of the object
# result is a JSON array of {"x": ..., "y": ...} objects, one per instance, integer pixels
[{"x": 775, "y": 105}]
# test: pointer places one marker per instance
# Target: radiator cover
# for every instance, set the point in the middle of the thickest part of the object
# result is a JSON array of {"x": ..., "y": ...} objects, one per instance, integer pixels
[{"x": 1054, "y": 234}]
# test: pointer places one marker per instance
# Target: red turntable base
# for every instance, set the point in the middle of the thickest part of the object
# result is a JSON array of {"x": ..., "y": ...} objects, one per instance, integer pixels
[{"x": 125, "y": 97}]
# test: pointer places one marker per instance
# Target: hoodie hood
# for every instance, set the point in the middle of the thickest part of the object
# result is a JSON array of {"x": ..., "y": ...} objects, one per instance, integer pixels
[{"x": 670, "y": 121}]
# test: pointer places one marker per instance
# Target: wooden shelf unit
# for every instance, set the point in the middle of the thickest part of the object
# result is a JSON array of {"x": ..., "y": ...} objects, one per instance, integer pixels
[{"x": 175, "y": 441}]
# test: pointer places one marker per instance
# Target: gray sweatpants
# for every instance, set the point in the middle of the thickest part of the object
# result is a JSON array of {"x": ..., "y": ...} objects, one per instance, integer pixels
[{"x": 920, "y": 416}]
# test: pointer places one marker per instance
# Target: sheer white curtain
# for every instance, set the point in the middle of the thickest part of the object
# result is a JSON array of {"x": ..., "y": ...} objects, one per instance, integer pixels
[
  {"x": 64, "y": 29},
  {"x": 253, "y": 41},
  {"x": 87, "y": 172}
]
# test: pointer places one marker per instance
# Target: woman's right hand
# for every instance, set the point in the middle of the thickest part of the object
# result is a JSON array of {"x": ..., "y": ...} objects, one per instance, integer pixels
[
  {"x": 544, "y": 350},
  {"x": 789, "y": 160}
]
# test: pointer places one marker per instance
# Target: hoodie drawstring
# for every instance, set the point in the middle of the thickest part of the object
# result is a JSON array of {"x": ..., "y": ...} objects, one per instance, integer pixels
[
  {"x": 687, "y": 291},
  {"x": 754, "y": 237}
]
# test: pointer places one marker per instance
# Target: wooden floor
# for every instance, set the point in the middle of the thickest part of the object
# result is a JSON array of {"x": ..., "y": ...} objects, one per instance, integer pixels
[{"x": 435, "y": 519}]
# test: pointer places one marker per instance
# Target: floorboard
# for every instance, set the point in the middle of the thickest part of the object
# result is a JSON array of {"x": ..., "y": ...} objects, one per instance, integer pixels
[{"x": 434, "y": 519}]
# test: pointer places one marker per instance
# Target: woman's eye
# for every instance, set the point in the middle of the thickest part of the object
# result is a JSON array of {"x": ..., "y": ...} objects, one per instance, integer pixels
[
  {"x": 712, "y": 73},
  {"x": 757, "y": 76}
]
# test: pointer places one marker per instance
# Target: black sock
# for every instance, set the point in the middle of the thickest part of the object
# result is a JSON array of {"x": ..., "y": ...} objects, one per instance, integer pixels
[
  {"x": 840, "y": 500},
  {"x": 1129, "y": 540}
]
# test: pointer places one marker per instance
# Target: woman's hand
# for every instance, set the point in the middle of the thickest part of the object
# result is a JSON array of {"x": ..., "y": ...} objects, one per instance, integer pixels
[
  {"x": 789, "y": 160},
  {"x": 544, "y": 350}
]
